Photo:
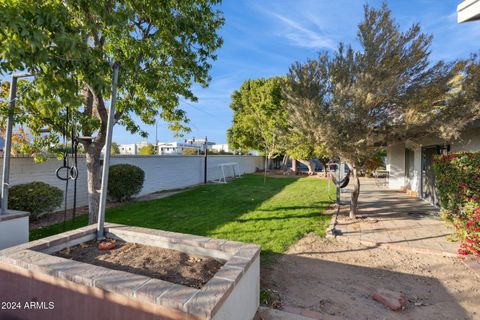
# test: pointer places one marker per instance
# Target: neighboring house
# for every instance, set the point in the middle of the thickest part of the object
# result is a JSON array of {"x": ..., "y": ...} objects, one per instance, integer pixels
[
  {"x": 128, "y": 148},
  {"x": 221, "y": 148},
  {"x": 132, "y": 148},
  {"x": 176, "y": 148},
  {"x": 166, "y": 148},
  {"x": 410, "y": 164},
  {"x": 200, "y": 143}
]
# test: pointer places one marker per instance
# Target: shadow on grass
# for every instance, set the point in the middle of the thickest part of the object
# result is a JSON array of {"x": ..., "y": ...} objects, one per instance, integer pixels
[{"x": 272, "y": 214}]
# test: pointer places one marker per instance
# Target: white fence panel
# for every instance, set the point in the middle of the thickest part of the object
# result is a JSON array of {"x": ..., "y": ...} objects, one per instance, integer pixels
[{"x": 161, "y": 172}]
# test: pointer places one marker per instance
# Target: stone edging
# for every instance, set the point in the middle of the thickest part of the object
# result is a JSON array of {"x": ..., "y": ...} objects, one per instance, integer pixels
[{"x": 202, "y": 303}]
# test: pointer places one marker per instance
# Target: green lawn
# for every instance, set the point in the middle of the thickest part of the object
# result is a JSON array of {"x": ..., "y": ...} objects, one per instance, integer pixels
[{"x": 274, "y": 214}]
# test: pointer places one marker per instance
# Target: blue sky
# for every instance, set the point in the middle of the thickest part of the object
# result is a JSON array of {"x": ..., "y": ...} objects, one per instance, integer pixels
[{"x": 262, "y": 38}]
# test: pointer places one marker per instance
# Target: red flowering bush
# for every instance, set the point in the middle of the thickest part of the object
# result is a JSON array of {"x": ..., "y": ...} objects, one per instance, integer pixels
[
  {"x": 457, "y": 177},
  {"x": 458, "y": 189},
  {"x": 467, "y": 225}
]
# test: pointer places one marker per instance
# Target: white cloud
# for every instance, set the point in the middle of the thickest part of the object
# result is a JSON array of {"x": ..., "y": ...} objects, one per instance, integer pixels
[
  {"x": 302, "y": 36},
  {"x": 297, "y": 24},
  {"x": 451, "y": 40}
]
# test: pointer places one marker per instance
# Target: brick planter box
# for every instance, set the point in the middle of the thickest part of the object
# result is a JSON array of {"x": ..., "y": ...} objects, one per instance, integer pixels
[{"x": 38, "y": 285}]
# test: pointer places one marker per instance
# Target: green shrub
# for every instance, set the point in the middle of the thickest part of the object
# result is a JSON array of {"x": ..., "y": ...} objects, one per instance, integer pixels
[
  {"x": 124, "y": 181},
  {"x": 35, "y": 197},
  {"x": 457, "y": 178},
  {"x": 467, "y": 225}
]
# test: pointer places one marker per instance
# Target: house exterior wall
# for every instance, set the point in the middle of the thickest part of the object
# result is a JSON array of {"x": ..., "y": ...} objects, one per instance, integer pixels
[
  {"x": 221, "y": 147},
  {"x": 468, "y": 10},
  {"x": 176, "y": 148},
  {"x": 130, "y": 149},
  {"x": 416, "y": 182},
  {"x": 161, "y": 172},
  {"x": 469, "y": 141},
  {"x": 396, "y": 166},
  {"x": 412, "y": 182}
]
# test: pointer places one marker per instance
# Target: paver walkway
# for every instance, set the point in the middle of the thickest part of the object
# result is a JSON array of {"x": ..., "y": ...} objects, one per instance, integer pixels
[{"x": 394, "y": 219}]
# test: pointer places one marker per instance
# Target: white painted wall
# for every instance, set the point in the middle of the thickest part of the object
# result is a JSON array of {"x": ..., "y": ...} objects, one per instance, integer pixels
[
  {"x": 161, "y": 172},
  {"x": 468, "y": 10},
  {"x": 243, "y": 302},
  {"x": 13, "y": 232},
  {"x": 396, "y": 165},
  {"x": 469, "y": 141},
  {"x": 126, "y": 149},
  {"x": 416, "y": 183}
]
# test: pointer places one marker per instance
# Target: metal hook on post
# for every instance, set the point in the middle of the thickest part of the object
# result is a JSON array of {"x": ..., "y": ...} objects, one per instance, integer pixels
[{"x": 106, "y": 159}]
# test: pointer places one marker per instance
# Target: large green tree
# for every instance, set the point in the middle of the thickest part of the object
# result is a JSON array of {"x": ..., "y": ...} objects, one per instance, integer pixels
[
  {"x": 357, "y": 101},
  {"x": 163, "y": 48},
  {"x": 115, "y": 148},
  {"x": 261, "y": 122},
  {"x": 147, "y": 150},
  {"x": 304, "y": 100},
  {"x": 260, "y": 119}
]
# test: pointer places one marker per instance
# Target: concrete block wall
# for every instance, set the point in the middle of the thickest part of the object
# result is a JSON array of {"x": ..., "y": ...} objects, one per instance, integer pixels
[{"x": 161, "y": 172}]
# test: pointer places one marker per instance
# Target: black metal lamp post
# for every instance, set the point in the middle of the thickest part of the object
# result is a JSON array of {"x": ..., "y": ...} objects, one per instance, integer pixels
[{"x": 205, "y": 161}]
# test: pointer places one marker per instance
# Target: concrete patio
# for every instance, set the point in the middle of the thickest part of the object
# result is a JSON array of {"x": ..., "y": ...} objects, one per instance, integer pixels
[{"x": 394, "y": 219}]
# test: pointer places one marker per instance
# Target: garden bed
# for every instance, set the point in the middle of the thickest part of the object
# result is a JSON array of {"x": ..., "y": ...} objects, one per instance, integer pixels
[
  {"x": 154, "y": 262},
  {"x": 42, "y": 271}
]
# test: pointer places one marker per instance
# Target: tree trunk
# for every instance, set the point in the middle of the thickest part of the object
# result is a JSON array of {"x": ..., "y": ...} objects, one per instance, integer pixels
[
  {"x": 294, "y": 166},
  {"x": 325, "y": 171},
  {"x": 94, "y": 179},
  {"x": 285, "y": 163},
  {"x": 269, "y": 161},
  {"x": 355, "y": 193},
  {"x": 310, "y": 165}
]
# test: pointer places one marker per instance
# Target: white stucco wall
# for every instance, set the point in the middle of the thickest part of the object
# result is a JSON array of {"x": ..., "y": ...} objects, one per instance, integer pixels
[
  {"x": 13, "y": 232},
  {"x": 468, "y": 10},
  {"x": 468, "y": 141},
  {"x": 416, "y": 182},
  {"x": 243, "y": 302},
  {"x": 396, "y": 166},
  {"x": 161, "y": 172}
]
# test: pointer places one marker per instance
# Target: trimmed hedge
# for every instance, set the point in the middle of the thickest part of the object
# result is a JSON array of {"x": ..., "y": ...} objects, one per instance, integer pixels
[
  {"x": 457, "y": 177},
  {"x": 36, "y": 197},
  {"x": 125, "y": 181}
]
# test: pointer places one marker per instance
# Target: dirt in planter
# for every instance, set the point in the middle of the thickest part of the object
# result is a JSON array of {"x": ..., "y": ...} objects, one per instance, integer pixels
[{"x": 155, "y": 262}]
